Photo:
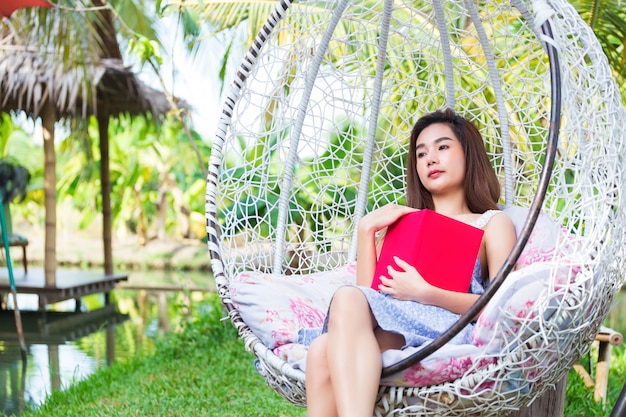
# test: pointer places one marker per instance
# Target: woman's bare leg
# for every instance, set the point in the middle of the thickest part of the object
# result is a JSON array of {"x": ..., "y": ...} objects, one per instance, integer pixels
[
  {"x": 354, "y": 358},
  {"x": 320, "y": 398}
]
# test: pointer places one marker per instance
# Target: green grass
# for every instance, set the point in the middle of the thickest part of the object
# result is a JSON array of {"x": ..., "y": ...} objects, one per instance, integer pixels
[
  {"x": 580, "y": 401},
  {"x": 204, "y": 370},
  {"x": 201, "y": 371}
]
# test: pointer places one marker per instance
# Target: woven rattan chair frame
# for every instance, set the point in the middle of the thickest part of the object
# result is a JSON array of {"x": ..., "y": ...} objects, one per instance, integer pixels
[{"x": 565, "y": 159}]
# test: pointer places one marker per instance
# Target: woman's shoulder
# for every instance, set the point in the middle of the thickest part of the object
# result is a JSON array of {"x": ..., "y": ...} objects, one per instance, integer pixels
[
  {"x": 498, "y": 227},
  {"x": 486, "y": 217}
]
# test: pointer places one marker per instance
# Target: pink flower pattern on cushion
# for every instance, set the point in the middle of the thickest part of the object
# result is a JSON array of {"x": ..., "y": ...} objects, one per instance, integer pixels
[
  {"x": 303, "y": 303},
  {"x": 276, "y": 306},
  {"x": 448, "y": 366},
  {"x": 307, "y": 315},
  {"x": 548, "y": 241},
  {"x": 441, "y": 371},
  {"x": 511, "y": 306},
  {"x": 284, "y": 328}
]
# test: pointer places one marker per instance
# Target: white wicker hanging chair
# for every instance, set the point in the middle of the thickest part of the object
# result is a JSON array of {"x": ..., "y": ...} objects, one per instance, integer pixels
[{"x": 314, "y": 133}]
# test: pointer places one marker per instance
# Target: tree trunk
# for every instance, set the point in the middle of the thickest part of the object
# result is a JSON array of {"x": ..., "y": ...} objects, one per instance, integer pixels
[
  {"x": 48, "y": 118},
  {"x": 161, "y": 204},
  {"x": 552, "y": 404},
  {"x": 105, "y": 180}
]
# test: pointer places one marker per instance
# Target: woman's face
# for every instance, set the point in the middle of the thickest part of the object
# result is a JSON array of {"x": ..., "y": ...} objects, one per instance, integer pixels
[{"x": 440, "y": 159}]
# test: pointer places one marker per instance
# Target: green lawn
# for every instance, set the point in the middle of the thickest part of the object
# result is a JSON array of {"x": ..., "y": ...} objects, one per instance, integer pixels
[
  {"x": 205, "y": 371},
  {"x": 202, "y": 371}
]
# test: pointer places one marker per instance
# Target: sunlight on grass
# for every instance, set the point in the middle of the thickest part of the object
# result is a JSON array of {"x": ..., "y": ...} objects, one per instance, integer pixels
[{"x": 580, "y": 401}]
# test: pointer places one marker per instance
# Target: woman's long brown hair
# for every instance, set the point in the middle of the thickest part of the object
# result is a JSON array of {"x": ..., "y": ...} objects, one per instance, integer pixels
[{"x": 481, "y": 186}]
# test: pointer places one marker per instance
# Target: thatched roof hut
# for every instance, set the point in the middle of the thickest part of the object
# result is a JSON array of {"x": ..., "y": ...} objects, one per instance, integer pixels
[
  {"x": 51, "y": 70},
  {"x": 27, "y": 80}
]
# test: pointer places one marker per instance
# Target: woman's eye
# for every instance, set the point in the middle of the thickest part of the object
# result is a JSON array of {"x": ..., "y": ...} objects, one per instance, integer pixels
[
  {"x": 442, "y": 147},
  {"x": 421, "y": 154}
]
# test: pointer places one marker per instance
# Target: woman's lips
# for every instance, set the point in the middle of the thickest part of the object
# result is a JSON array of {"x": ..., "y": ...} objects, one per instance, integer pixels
[{"x": 434, "y": 173}]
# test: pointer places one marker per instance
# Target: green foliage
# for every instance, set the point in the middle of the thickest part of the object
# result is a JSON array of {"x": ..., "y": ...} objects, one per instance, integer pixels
[
  {"x": 154, "y": 177},
  {"x": 607, "y": 19},
  {"x": 139, "y": 16},
  {"x": 326, "y": 186},
  {"x": 14, "y": 180},
  {"x": 145, "y": 50}
]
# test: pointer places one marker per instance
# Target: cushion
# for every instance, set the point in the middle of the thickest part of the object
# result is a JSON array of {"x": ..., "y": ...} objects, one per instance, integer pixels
[
  {"x": 547, "y": 242},
  {"x": 546, "y": 263},
  {"x": 511, "y": 305},
  {"x": 276, "y": 307},
  {"x": 446, "y": 364}
]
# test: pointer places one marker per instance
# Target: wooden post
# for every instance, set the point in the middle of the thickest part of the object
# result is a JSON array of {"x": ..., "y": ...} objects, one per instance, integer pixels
[
  {"x": 552, "y": 404},
  {"x": 606, "y": 338},
  {"x": 602, "y": 371},
  {"x": 48, "y": 118},
  {"x": 105, "y": 183}
]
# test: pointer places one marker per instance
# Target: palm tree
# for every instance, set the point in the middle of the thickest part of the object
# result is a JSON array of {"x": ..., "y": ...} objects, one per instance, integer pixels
[{"x": 65, "y": 63}]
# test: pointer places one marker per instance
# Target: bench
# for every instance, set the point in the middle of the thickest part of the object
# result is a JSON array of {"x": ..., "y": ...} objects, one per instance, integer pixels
[{"x": 18, "y": 240}]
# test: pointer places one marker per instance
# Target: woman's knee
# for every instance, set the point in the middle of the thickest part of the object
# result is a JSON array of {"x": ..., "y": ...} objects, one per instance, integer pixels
[
  {"x": 348, "y": 298},
  {"x": 349, "y": 307},
  {"x": 317, "y": 360}
]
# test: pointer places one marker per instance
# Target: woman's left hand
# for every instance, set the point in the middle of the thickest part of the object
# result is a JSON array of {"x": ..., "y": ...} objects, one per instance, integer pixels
[{"x": 404, "y": 283}]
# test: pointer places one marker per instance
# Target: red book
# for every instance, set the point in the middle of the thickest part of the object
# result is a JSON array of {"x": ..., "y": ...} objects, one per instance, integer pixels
[{"x": 442, "y": 249}]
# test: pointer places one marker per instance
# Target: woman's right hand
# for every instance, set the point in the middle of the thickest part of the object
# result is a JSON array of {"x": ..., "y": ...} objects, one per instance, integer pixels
[
  {"x": 366, "y": 246},
  {"x": 383, "y": 217}
]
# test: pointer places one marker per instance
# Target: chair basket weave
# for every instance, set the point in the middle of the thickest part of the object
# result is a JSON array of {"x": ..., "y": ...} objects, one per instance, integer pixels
[{"x": 314, "y": 133}]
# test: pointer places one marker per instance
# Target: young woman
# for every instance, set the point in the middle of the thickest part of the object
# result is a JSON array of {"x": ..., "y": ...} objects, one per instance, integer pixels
[{"x": 448, "y": 171}]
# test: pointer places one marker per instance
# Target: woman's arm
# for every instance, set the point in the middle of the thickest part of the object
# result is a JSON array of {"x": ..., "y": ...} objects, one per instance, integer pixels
[
  {"x": 499, "y": 240},
  {"x": 368, "y": 226},
  {"x": 406, "y": 283}
]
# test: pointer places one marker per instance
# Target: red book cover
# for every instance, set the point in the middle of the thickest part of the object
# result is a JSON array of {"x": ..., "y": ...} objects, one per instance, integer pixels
[{"x": 442, "y": 249}]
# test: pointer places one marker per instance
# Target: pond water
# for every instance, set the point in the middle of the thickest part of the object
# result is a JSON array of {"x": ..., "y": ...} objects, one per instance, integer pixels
[{"x": 65, "y": 347}]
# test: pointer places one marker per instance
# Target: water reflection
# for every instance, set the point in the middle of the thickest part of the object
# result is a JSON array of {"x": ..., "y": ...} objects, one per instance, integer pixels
[
  {"x": 65, "y": 347},
  {"x": 53, "y": 362}
]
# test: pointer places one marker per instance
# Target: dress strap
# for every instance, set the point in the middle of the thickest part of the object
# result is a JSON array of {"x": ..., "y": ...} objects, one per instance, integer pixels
[{"x": 484, "y": 218}]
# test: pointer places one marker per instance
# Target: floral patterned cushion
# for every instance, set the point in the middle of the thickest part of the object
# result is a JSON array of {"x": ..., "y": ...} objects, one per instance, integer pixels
[
  {"x": 511, "y": 305},
  {"x": 547, "y": 242},
  {"x": 446, "y": 364},
  {"x": 276, "y": 307}
]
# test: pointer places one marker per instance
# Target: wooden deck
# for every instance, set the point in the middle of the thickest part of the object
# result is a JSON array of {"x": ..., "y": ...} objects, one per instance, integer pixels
[
  {"x": 51, "y": 327},
  {"x": 70, "y": 284}
]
